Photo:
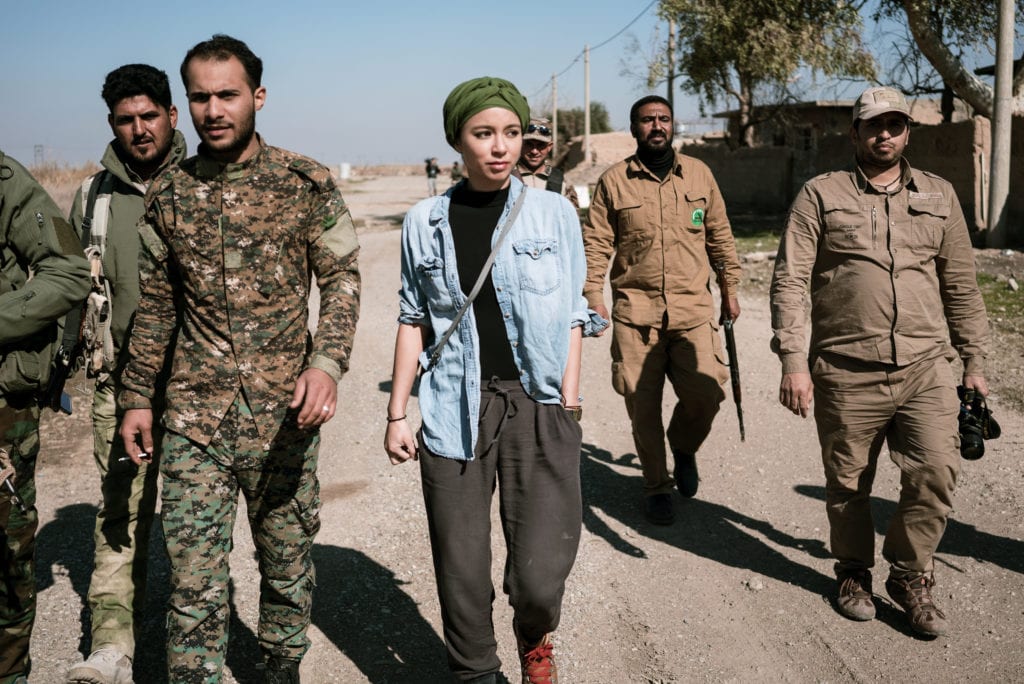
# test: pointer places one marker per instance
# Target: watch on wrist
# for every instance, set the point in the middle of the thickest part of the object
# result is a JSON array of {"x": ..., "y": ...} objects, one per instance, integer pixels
[{"x": 575, "y": 412}]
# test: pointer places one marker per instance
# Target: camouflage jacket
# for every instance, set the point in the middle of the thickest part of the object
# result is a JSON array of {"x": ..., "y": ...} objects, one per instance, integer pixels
[
  {"x": 43, "y": 273},
  {"x": 228, "y": 252}
]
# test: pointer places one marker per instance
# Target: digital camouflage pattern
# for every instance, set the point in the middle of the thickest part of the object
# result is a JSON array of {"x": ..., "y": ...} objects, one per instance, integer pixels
[
  {"x": 33, "y": 239},
  {"x": 199, "y": 504},
  {"x": 235, "y": 247},
  {"x": 239, "y": 243},
  {"x": 19, "y": 437}
]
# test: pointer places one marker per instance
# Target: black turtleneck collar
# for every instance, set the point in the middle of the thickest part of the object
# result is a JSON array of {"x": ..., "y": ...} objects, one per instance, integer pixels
[{"x": 658, "y": 162}]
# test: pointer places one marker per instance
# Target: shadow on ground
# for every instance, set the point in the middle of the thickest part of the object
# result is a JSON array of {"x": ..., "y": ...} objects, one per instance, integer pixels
[
  {"x": 960, "y": 539},
  {"x": 702, "y": 528},
  {"x": 361, "y": 607}
]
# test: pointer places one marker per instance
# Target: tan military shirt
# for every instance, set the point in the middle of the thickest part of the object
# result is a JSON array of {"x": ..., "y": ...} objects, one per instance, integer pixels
[
  {"x": 661, "y": 238},
  {"x": 231, "y": 250},
  {"x": 891, "y": 275}
]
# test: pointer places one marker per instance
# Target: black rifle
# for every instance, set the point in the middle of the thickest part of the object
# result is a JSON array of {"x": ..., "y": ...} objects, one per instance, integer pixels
[
  {"x": 730, "y": 348},
  {"x": 54, "y": 396}
]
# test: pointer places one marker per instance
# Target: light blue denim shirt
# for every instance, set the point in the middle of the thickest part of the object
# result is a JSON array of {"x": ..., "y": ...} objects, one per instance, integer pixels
[{"x": 538, "y": 278}]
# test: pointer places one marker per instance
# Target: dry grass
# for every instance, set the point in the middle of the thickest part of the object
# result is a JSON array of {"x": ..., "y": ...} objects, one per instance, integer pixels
[{"x": 63, "y": 181}]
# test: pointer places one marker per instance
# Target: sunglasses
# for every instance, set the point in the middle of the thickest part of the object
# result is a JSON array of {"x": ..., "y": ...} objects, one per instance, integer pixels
[{"x": 534, "y": 128}]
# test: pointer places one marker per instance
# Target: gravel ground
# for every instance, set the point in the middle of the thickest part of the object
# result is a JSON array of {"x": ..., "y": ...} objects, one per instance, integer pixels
[{"x": 737, "y": 590}]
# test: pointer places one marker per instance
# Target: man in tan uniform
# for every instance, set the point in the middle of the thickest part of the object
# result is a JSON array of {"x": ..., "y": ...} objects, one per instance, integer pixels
[
  {"x": 885, "y": 251},
  {"x": 662, "y": 218}
]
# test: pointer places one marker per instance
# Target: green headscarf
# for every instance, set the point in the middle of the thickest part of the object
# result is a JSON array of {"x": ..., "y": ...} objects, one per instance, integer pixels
[{"x": 473, "y": 96}]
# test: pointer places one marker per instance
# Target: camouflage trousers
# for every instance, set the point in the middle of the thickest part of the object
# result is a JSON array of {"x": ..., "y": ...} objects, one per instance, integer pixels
[
  {"x": 277, "y": 476},
  {"x": 19, "y": 435},
  {"x": 117, "y": 590}
]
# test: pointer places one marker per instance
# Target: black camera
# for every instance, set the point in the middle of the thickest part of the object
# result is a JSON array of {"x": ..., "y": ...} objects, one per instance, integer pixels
[{"x": 976, "y": 424}]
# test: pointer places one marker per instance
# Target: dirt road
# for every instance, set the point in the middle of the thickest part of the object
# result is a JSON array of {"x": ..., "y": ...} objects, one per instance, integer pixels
[{"x": 737, "y": 590}]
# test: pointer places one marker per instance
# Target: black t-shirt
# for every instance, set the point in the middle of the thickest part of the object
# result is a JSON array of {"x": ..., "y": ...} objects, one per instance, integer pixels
[{"x": 473, "y": 217}]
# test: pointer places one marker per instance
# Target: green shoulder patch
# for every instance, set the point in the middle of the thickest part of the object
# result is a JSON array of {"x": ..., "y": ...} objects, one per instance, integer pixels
[{"x": 341, "y": 238}]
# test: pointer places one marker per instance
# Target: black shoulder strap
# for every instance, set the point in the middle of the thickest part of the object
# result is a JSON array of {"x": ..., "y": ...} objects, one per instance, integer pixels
[{"x": 554, "y": 183}]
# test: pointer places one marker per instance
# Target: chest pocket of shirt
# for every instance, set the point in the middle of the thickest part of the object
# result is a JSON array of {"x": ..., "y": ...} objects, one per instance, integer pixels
[
  {"x": 537, "y": 264},
  {"x": 431, "y": 277},
  {"x": 850, "y": 229},
  {"x": 696, "y": 207},
  {"x": 927, "y": 220},
  {"x": 279, "y": 262},
  {"x": 629, "y": 217}
]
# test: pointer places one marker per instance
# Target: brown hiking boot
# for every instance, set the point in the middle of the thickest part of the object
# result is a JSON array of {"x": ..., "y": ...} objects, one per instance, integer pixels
[
  {"x": 536, "y": 660},
  {"x": 914, "y": 595},
  {"x": 854, "y": 599}
]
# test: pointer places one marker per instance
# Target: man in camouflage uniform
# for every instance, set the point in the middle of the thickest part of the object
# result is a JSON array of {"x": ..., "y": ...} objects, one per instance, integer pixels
[
  {"x": 231, "y": 239},
  {"x": 142, "y": 120},
  {"x": 33, "y": 239}
]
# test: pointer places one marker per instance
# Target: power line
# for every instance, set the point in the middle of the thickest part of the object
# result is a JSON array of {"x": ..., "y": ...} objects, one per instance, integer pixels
[{"x": 599, "y": 45}]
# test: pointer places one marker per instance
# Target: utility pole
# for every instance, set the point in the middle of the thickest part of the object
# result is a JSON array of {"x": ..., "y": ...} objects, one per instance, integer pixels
[
  {"x": 554, "y": 116},
  {"x": 671, "y": 65},
  {"x": 586, "y": 103},
  {"x": 999, "y": 188}
]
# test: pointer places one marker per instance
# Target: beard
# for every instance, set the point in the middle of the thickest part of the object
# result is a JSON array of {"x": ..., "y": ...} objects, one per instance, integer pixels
[
  {"x": 655, "y": 143},
  {"x": 230, "y": 146}
]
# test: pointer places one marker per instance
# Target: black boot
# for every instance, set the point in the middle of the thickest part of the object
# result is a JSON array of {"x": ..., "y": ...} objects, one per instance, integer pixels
[
  {"x": 281, "y": 671},
  {"x": 687, "y": 479}
]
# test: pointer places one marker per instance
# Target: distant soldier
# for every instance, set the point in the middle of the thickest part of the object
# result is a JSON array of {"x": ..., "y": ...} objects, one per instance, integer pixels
[
  {"x": 249, "y": 386},
  {"x": 456, "y": 172},
  {"x": 43, "y": 274},
  {"x": 142, "y": 120},
  {"x": 533, "y": 167},
  {"x": 885, "y": 253},
  {"x": 432, "y": 172}
]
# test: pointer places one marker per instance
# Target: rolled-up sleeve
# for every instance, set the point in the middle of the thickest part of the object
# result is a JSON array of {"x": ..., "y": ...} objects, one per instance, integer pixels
[{"x": 412, "y": 302}]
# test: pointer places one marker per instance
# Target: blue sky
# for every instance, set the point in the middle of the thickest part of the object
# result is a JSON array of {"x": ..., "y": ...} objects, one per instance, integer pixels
[{"x": 358, "y": 82}]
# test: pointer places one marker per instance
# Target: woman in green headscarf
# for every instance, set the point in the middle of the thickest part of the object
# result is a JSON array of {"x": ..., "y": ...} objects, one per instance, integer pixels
[{"x": 499, "y": 398}]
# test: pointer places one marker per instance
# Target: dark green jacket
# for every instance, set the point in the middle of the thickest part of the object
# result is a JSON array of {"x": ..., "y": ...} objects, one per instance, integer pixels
[
  {"x": 34, "y": 239},
  {"x": 121, "y": 256}
]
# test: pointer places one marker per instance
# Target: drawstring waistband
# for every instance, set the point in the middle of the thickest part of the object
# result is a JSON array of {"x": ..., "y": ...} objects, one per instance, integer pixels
[{"x": 501, "y": 389}]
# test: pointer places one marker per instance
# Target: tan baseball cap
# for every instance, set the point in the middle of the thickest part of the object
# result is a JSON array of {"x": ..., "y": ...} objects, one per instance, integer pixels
[
  {"x": 880, "y": 100},
  {"x": 538, "y": 129}
]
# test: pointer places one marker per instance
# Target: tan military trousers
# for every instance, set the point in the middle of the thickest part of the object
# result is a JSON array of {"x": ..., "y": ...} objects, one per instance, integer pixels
[
  {"x": 692, "y": 360},
  {"x": 117, "y": 590},
  {"x": 859, "y": 407}
]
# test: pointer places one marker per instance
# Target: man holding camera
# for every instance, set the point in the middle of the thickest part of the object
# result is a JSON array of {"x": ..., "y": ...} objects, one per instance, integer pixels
[{"x": 885, "y": 253}]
